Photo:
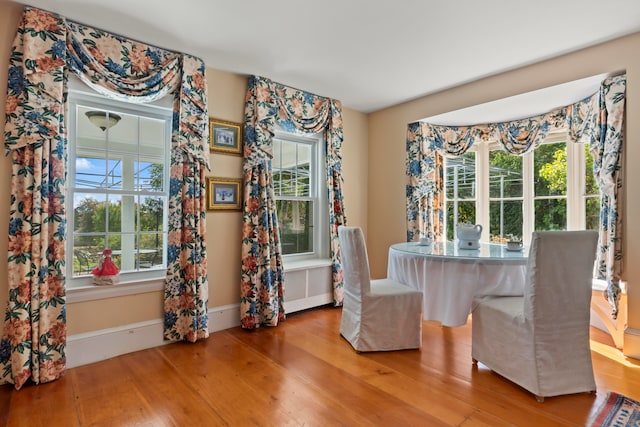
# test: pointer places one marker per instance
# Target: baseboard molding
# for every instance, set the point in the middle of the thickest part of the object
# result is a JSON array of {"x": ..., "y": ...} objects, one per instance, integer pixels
[
  {"x": 95, "y": 346},
  {"x": 306, "y": 303}
]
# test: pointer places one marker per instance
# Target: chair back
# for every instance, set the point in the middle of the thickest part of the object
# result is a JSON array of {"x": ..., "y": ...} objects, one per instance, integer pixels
[
  {"x": 558, "y": 279},
  {"x": 355, "y": 262}
]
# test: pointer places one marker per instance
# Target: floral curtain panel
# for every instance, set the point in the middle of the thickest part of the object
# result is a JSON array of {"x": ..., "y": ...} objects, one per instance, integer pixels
[
  {"x": 34, "y": 337},
  {"x": 607, "y": 155},
  {"x": 45, "y": 49},
  {"x": 267, "y": 104},
  {"x": 424, "y": 189},
  {"x": 597, "y": 120}
]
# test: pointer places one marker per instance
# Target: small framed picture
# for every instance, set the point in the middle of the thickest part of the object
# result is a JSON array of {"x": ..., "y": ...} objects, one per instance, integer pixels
[
  {"x": 224, "y": 193},
  {"x": 225, "y": 137}
]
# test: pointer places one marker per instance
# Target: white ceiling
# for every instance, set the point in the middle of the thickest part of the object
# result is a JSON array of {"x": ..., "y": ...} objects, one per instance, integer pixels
[
  {"x": 520, "y": 106},
  {"x": 368, "y": 54}
]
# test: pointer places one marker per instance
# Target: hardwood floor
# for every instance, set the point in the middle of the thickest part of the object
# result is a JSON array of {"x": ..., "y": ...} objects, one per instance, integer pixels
[{"x": 304, "y": 373}]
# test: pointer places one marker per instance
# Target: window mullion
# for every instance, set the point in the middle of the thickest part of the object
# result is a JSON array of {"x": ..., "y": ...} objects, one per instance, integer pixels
[
  {"x": 528, "y": 202},
  {"x": 482, "y": 190},
  {"x": 576, "y": 186}
]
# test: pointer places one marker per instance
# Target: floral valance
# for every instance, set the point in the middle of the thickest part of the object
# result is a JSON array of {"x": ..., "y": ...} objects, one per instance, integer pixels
[
  {"x": 102, "y": 60},
  {"x": 269, "y": 103},
  {"x": 516, "y": 136}
]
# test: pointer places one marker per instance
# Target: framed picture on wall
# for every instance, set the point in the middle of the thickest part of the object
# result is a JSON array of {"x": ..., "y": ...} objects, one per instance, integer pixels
[
  {"x": 224, "y": 193},
  {"x": 225, "y": 137}
]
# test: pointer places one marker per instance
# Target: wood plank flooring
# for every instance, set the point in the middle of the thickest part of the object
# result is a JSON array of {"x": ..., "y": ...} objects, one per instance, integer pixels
[{"x": 302, "y": 373}]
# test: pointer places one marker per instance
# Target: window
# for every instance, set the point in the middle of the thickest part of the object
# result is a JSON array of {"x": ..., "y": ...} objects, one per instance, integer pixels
[
  {"x": 300, "y": 193},
  {"x": 551, "y": 188},
  {"x": 118, "y": 185}
]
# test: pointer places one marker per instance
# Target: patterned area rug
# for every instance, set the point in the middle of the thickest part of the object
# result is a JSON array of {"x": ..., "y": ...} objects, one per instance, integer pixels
[{"x": 617, "y": 411}]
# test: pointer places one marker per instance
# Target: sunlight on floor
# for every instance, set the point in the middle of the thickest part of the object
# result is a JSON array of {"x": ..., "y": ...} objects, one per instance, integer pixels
[{"x": 614, "y": 354}]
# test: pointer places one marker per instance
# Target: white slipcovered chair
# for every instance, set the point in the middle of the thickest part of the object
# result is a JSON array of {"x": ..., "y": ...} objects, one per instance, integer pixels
[
  {"x": 540, "y": 341},
  {"x": 377, "y": 315}
]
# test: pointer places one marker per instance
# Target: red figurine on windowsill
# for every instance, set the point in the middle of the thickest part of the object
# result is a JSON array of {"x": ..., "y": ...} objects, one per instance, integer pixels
[{"x": 106, "y": 273}]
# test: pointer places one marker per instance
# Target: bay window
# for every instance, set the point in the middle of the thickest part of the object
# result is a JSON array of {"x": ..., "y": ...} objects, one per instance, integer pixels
[{"x": 550, "y": 188}]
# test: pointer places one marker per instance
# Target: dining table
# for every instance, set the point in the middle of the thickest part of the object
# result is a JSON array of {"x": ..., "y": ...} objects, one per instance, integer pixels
[{"x": 452, "y": 278}]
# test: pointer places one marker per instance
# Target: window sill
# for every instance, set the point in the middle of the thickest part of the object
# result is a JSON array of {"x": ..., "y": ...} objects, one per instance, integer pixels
[
  {"x": 305, "y": 264},
  {"x": 94, "y": 292}
]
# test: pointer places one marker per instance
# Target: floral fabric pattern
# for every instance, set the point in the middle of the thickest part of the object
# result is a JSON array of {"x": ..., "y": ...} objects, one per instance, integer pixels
[
  {"x": 597, "y": 119},
  {"x": 607, "y": 159},
  {"x": 45, "y": 49},
  {"x": 425, "y": 172},
  {"x": 522, "y": 136},
  {"x": 262, "y": 280},
  {"x": 582, "y": 119},
  {"x": 136, "y": 72},
  {"x": 34, "y": 337}
]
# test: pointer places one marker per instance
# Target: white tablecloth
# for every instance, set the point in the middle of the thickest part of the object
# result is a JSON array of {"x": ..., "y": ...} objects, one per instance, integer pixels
[{"x": 450, "y": 282}]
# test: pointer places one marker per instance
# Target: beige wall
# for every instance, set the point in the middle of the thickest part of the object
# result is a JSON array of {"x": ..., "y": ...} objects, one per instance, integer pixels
[
  {"x": 387, "y": 135},
  {"x": 226, "y": 101}
]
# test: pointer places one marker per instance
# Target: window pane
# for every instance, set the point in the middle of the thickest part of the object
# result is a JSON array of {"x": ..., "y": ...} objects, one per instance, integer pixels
[
  {"x": 152, "y": 138},
  {"x": 92, "y": 244},
  {"x": 291, "y": 168},
  {"x": 88, "y": 135},
  {"x": 124, "y": 136},
  {"x": 550, "y": 169},
  {"x": 295, "y": 219},
  {"x": 303, "y": 170},
  {"x": 461, "y": 176},
  {"x": 458, "y": 212},
  {"x": 506, "y": 219},
  {"x": 89, "y": 213},
  {"x": 551, "y": 214},
  {"x": 114, "y": 174},
  {"x": 151, "y": 213},
  {"x": 150, "y": 250},
  {"x": 85, "y": 256},
  {"x": 115, "y": 241},
  {"x": 150, "y": 176},
  {"x": 505, "y": 175},
  {"x": 115, "y": 213},
  {"x": 284, "y": 168},
  {"x": 592, "y": 214},
  {"x": 89, "y": 172}
]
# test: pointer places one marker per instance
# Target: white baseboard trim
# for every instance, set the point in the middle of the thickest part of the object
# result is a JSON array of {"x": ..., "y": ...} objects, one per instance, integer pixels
[
  {"x": 309, "y": 302},
  {"x": 95, "y": 346}
]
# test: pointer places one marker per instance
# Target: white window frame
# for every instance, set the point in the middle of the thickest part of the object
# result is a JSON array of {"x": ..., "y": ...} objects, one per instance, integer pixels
[
  {"x": 80, "y": 288},
  {"x": 575, "y": 196},
  {"x": 317, "y": 193},
  {"x": 479, "y": 191}
]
